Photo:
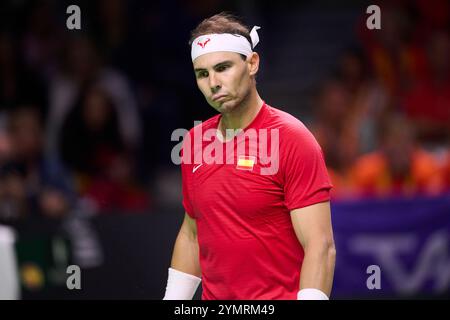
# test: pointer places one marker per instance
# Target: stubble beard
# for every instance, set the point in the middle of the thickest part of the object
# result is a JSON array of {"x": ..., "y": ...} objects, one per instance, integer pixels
[{"x": 235, "y": 105}]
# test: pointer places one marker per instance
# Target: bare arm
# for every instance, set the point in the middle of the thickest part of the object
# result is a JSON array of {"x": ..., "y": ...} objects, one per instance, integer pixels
[
  {"x": 313, "y": 228},
  {"x": 185, "y": 255}
]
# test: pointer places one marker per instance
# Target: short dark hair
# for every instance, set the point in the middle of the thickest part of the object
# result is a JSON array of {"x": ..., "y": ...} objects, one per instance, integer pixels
[{"x": 223, "y": 22}]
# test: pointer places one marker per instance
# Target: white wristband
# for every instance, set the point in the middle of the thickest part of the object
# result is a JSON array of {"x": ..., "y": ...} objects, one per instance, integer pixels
[
  {"x": 181, "y": 285},
  {"x": 311, "y": 294}
]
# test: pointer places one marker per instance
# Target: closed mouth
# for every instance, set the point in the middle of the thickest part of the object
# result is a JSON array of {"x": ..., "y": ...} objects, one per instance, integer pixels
[{"x": 215, "y": 98}]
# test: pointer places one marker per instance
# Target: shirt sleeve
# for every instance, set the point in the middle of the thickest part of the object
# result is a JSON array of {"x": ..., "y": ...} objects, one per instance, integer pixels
[
  {"x": 186, "y": 175},
  {"x": 305, "y": 175}
]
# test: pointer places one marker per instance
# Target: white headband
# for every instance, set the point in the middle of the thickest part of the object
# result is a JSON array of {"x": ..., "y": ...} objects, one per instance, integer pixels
[{"x": 224, "y": 42}]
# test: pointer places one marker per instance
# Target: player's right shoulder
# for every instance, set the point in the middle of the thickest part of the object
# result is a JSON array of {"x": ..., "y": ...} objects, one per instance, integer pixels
[
  {"x": 205, "y": 125},
  {"x": 200, "y": 128}
]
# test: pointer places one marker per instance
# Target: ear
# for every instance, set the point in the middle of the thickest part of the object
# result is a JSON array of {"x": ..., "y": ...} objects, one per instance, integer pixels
[{"x": 253, "y": 63}]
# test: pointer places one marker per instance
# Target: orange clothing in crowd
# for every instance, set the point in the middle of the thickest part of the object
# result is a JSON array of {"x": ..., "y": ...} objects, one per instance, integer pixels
[
  {"x": 371, "y": 175},
  {"x": 341, "y": 184}
]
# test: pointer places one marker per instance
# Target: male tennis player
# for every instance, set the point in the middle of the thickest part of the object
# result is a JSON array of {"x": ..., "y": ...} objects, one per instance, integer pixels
[{"x": 252, "y": 229}]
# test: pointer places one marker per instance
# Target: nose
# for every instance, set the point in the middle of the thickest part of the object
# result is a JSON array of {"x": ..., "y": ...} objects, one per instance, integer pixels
[{"x": 214, "y": 83}]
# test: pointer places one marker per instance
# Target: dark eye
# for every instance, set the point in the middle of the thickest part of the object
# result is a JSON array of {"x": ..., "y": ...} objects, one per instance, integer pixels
[
  {"x": 222, "y": 68},
  {"x": 202, "y": 74}
]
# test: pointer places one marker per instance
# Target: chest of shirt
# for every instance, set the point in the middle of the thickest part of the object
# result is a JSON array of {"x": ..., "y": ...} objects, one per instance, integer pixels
[{"x": 236, "y": 188}]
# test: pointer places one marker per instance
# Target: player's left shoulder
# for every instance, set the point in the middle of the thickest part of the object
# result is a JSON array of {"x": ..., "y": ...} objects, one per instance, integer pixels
[{"x": 290, "y": 127}]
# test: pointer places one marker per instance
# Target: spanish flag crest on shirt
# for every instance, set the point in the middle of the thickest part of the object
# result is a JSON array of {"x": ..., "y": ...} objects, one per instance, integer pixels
[{"x": 246, "y": 162}]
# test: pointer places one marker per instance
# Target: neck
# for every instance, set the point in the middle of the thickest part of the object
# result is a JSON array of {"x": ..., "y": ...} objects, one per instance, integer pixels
[{"x": 243, "y": 114}]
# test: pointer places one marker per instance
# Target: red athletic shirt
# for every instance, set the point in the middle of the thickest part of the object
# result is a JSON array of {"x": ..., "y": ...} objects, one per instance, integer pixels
[{"x": 248, "y": 247}]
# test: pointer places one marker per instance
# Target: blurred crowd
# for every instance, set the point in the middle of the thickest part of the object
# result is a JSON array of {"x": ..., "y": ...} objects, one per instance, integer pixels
[
  {"x": 383, "y": 117},
  {"x": 88, "y": 114}
]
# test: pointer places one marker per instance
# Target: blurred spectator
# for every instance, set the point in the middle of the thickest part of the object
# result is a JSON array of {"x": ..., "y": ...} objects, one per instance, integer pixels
[
  {"x": 82, "y": 67},
  {"x": 93, "y": 147},
  {"x": 399, "y": 167},
  {"x": 90, "y": 135},
  {"x": 394, "y": 57},
  {"x": 117, "y": 189},
  {"x": 31, "y": 182},
  {"x": 428, "y": 102},
  {"x": 368, "y": 100},
  {"x": 347, "y": 114},
  {"x": 335, "y": 131}
]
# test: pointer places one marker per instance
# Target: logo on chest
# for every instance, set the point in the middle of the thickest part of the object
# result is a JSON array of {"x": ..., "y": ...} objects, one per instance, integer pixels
[{"x": 246, "y": 162}]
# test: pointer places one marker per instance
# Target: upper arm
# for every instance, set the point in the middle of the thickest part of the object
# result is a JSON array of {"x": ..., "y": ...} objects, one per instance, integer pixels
[{"x": 312, "y": 224}]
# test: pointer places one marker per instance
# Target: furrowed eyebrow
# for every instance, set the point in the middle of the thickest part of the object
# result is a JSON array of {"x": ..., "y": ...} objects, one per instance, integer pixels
[{"x": 215, "y": 66}]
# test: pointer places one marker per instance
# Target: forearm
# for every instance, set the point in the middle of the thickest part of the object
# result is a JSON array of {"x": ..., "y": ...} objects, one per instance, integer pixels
[
  {"x": 184, "y": 275},
  {"x": 185, "y": 255},
  {"x": 318, "y": 267}
]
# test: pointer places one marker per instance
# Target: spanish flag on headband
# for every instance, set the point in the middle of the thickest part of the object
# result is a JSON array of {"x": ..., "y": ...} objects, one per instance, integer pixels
[{"x": 246, "y": 162}]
